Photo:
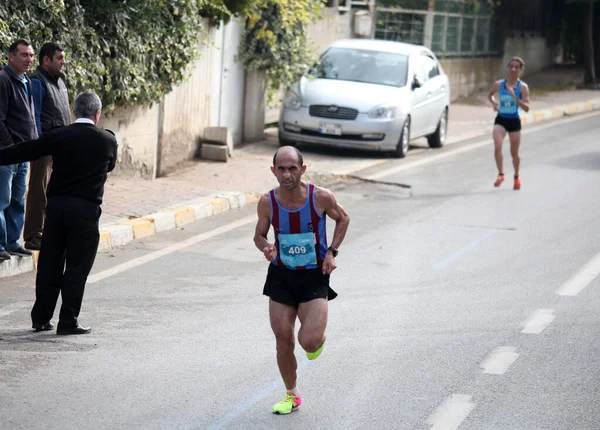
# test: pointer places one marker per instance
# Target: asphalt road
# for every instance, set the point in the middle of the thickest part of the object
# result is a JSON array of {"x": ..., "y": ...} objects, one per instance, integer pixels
[{"x": 460, "y": 306}]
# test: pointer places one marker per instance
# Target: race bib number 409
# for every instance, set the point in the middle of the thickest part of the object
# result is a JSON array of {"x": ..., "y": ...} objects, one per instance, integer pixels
[{"x": 297, "y": 250}]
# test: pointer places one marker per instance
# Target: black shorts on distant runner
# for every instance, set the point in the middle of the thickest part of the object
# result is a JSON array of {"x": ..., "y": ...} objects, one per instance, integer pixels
[
  {"x": 511, "y": 125},
  {"x": 292, "y": 287}
]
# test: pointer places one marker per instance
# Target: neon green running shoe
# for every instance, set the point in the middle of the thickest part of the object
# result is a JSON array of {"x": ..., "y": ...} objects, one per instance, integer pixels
[
  {"x": 290, "y": 404},
  {"x": 315, "y": 355}
]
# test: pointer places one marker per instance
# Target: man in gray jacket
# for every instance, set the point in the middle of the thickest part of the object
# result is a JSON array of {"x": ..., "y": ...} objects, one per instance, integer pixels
[
  {"x": 17, "y": 124},
  {"x": 52, "y": 110}
]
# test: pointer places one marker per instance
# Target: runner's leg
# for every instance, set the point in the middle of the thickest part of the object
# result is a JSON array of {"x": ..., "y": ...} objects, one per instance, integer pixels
[
  {"x": 499, "y": 134},
  {"x": 515, "y": 143},
  {"x": 283, "y": 318},
  {"x": 313, "y": 320}
]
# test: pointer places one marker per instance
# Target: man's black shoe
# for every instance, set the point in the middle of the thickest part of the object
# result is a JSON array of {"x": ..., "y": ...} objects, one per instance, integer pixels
[
  {"x": 73, "y": 330},
  {"x": 43, "y": 327},
  {"x": 4, "y": 256},
  {"x": 34, "y": 244},
  {"x": 21, "y": 252}
]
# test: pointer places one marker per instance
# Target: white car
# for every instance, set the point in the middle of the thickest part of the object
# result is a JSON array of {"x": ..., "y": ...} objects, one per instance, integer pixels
[{"x": 369, "y": 94}]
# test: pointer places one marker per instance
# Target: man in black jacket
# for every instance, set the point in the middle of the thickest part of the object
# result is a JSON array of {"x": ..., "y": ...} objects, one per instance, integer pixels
[
  {"x": 17, "y": 123},
  {"x": 52, "y": 110},
  {"x": 82, "y": 156}
]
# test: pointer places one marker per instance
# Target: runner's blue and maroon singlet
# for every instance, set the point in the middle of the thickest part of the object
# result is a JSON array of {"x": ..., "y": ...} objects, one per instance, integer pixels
[{"x": 300, "y": 235}]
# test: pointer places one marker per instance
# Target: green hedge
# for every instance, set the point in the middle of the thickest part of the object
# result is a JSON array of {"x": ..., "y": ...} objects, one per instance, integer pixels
[
  {"x": 129, "y": 51},
  {"x": 276, "y": 41}
]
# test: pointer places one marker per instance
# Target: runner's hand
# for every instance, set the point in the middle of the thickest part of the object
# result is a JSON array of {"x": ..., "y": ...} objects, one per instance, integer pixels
[
  {"x": 270, "y": 252},
  {"x": 495, "y": 106},
  {"x": 329, "y": 264},
  {"x": 511, "y": 92}
]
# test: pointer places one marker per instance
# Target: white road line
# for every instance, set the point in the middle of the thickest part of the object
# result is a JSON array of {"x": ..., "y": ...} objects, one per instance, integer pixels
[
  {"x": 452, "y": 413},
  {"x": 499, "y": 360},
  {"x": 14, "y": 307},
  {"x": 581, "y": 279},
  {"x": 538, "y": 321},
  {"x": 480, "y": 144},
  {"x": 169, "y": 249}
]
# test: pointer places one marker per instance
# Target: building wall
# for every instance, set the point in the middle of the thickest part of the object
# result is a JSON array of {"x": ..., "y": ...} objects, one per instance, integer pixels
[
  {"x": 137, "y": 133},
  {"x": 186, "y": 111},
  {"x": 468, "y": 75},
  {"x": 534, "y": 50},
  {"x": 153, "y": 139}
]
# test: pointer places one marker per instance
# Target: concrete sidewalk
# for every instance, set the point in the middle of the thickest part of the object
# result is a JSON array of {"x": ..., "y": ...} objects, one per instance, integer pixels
[{"x": 136, "y": 208}]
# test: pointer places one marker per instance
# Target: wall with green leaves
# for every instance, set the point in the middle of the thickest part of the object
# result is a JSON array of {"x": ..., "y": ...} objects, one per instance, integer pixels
[{"x": 130, "y": 52}]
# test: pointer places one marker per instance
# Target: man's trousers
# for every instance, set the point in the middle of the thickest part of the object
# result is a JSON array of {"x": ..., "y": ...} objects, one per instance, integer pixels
[
  {"x": 35, "y": 211},
  {"x": 69, "y": 247}
]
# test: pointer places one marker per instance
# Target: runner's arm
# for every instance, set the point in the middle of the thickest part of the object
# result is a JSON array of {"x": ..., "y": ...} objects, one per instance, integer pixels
[
  {"x": 262, "y": 229},
  {"x": 492, "y": 94},
  {"x": 327, "y": 203},
  {"x": 524, "y": 101}
]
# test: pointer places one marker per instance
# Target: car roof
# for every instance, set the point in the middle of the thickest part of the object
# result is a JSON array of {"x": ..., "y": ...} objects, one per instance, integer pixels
[{"x": 379, "y": 45}]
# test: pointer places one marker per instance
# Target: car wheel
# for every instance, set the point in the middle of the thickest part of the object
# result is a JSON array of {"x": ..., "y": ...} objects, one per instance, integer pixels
[
  {"x": 404, "y": 143},
  {"x": 437, "y": 139}
]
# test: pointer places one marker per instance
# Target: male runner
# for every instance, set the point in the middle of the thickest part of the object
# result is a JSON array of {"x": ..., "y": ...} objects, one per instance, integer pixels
[
  {"x": 514, "y": 94},
  {"x": 301, "y": 262}
]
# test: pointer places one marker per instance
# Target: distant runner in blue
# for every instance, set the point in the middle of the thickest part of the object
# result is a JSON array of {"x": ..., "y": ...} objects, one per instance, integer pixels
[{"x": 514, "y": 94}]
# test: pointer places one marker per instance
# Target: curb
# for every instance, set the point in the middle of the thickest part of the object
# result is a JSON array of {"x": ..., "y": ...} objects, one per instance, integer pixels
[
  {"x": 122, "y": 232},
  {"x": 560, "y": 111}
]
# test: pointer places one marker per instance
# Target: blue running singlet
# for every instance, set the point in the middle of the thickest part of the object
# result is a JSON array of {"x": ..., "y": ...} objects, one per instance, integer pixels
[{"x": 508, "y": 106}]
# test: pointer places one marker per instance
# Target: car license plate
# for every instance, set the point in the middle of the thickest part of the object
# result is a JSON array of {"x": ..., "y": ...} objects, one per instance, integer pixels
[{"x": 326, "y": 128}]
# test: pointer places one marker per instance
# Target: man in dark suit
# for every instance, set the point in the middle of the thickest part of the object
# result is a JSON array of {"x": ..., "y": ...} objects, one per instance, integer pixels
[{"x": 82, "y": 156}]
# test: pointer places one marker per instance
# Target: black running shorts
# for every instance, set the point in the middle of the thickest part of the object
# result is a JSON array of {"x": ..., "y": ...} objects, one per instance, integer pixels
[
  {"x": 292, "y": 287},
  {"x": 511, "y": 125}
]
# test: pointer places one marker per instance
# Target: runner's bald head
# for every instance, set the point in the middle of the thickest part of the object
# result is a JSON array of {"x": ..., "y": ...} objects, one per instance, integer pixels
[{"x": 289, "y": 151}]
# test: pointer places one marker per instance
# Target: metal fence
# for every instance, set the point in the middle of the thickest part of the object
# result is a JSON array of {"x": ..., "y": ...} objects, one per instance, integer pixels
[{"x": 448, "y": 34}]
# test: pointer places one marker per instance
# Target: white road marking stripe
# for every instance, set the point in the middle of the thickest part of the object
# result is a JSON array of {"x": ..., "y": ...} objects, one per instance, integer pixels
[
  {"x": 499, "y": 360},
  {"x": 538, "y": 321},
  {"x": 581, "y": 279},
  {"x": 452, "y": 413},
  {"x": 14, "y": 307},
  {"x": 169, "y": 249},
  {"x": 486, "y": 142}
]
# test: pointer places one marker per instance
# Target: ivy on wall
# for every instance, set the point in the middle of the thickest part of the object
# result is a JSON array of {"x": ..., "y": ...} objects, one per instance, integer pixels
[
  {"x": 129, "y": 51},
  {"x": 275, "y": 40}
]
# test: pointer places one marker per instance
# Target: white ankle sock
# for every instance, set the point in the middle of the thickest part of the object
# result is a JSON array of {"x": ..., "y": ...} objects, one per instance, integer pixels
[{"x": 293, "y": 391}]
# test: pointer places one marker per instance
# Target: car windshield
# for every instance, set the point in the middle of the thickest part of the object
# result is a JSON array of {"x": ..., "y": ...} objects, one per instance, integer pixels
[{"x": 372, "y": 67}]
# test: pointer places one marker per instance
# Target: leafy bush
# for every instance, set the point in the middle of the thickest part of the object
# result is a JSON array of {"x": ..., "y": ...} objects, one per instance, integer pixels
[
  {"x": 275, "y": 40},
  {"x": 129, "y": 51}
]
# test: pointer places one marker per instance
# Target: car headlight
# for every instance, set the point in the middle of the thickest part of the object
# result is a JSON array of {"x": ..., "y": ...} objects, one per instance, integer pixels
[
  {"x": 292, "y": 101},
  {"x": 383, "y": 112}
]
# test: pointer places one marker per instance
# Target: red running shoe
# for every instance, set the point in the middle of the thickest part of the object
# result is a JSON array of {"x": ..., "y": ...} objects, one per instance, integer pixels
[{"x": 499, "y": 180}]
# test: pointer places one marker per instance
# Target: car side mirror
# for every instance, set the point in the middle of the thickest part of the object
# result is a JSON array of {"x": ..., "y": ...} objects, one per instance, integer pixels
[{"x": 416, "y": 82}]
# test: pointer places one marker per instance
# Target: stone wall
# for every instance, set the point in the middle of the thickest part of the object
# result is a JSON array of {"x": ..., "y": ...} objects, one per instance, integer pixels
[{"x": 468, "y": 75}]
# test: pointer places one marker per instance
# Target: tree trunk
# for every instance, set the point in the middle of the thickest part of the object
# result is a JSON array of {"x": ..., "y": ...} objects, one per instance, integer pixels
[{"x": 588, "y": 44}]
